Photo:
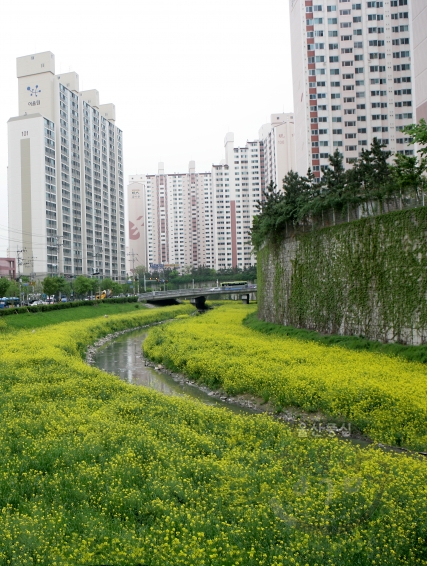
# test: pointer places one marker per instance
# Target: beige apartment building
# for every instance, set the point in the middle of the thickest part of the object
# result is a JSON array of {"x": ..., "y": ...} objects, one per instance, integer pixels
[
  {"x": 278, "y": 139},
  {"x": 352, "y": 77},
  {"x": 65, "y": 176},
  {"x": 419, "y": 26}
]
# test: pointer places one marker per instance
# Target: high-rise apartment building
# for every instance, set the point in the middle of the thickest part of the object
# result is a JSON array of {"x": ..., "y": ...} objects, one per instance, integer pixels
[
  {"x": 352, "y": 77},
  {"x": 65, "y": 176},
  {"x": 194, "y": 219},
  {"x": 278, "y": 139},
  {"x": 419, "y": 26},
  {"x": 170, "y": 219},
  {"x": 237, "y": 185}
]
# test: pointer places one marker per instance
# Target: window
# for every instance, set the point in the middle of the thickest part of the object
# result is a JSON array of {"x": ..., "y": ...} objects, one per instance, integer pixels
[
  {"x": 346, "y": 38},
  {"x": 337, "y": 143},
  {"x": 357, "y": 19},
  {"x": 347, "y": 63},
  {"x": 333, "y": 46},
  {"x": 336, "y": 118},
  {"x": 345, "y": 25},
  {"x": 335, "y": 95},
  {"x": 333, "y": 59},
  {"x": 335, "y": 83},
  {"x": 358, "y": 45},
  {"x": 358, "y": 57},
  {"x": 359, "y": 70},
  {"x": 333, "y": 33},
  {"x": 337, "y": 132},
  {"x": 361, "y": 130},
  {"x": 333, "y": 108},
  {"x": 323, "y": 132},
  {"x": 346, "y": 50},
  {"x": 332, "y": 21},
  {"x": 334, "y": 71},
  {"x": 331, "y": 8}
]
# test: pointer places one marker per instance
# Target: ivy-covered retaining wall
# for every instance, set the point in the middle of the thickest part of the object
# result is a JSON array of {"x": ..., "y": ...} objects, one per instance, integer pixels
[{"x": 367, "y": 277}]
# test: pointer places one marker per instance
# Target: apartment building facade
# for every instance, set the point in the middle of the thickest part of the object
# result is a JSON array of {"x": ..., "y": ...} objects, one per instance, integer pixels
[
  {"x": 170, "y": 220},
  {"x": 65, "y": 176},
  {"x": 237, "y": 185},
  {"x": 352, "y": 77},
  {"x": 197, "y": 219},
  {"x": 419, "y": 26},
  {"x": 278, "y": 139}
]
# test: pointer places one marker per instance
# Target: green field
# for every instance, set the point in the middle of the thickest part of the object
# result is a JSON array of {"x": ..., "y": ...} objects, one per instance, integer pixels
[{"x": 39, "y": 319}]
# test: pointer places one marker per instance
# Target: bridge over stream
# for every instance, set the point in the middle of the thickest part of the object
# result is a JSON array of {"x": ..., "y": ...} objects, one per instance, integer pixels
[{"x": 199, "y": 295}]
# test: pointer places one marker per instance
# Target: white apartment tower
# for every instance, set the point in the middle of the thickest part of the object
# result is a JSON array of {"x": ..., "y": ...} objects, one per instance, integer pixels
[
  {"x": 419, "y": 26},
  {"x": 352, "y": 77},
  {"x": 170, "y": 220},
  {"x": 197, "y": 219},
  {"x": 278, "y": 139},
  {"x": 237, "y": 185},
  {"x": 65, "y": 176}
]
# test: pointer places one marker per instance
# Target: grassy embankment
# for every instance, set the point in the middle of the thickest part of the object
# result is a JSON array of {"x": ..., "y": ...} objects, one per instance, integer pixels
[
  {"x": 96, "y": 471},
  {"x": 410, "y": 353},
  {"x": 384, "y": 397},
  {"x": 39, "y": 319}
]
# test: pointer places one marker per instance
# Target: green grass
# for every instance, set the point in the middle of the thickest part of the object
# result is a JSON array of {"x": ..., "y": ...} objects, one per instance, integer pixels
[
  {"x": 410, "y": 353},
  {"x": 39, "y": 319}
]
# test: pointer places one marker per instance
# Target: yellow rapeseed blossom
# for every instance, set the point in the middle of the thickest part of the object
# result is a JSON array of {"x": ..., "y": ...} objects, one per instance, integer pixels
[{"x": 96, "y": 471}]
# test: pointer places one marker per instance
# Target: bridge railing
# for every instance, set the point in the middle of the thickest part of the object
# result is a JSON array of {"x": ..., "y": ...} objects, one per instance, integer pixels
[{"x": 196, "y": 292}]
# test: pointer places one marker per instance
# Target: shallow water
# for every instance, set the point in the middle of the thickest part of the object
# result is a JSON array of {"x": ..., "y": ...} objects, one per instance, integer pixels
[{"x": 123, "y": 357}]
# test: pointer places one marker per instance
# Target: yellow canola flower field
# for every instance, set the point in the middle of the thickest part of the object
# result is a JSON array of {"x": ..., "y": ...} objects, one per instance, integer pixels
[
  {"x": 96, "y": 471},
  {"x": 384, "y": 397}
]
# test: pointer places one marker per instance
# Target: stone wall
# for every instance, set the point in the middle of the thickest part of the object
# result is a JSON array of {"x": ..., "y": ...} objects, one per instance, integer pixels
[{"x": 365, "y": 278}]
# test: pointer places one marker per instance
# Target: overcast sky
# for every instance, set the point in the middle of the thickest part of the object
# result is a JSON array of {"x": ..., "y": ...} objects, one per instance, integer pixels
[{"x": 182, "y": 73}]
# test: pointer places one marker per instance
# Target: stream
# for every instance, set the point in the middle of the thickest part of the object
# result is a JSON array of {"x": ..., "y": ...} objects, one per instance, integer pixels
[{"x": 123, "y": 357}]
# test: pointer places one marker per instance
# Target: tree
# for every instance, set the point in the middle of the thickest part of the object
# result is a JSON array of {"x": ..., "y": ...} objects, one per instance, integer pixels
[
  {"x": 140, "y": 270},
  {"x": 4, "y": 286},
  {"x": 53, "y": 285},
  {"x": 82, "y": 285},
  {"x": 418, "y": 133},
  {"x": 334, "y": 180},
  {"x": 408, "y": 173}
]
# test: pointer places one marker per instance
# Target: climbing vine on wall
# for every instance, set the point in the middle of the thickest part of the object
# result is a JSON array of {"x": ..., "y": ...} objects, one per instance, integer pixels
[{"x": 367, "y": 277}]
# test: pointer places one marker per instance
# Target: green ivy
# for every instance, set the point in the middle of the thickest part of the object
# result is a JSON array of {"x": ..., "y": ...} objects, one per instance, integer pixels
[{"x": 367, "y": 277}]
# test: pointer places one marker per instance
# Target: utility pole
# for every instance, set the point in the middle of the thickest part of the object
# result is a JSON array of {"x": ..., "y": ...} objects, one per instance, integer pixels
[{"x": 133, "y": 254}]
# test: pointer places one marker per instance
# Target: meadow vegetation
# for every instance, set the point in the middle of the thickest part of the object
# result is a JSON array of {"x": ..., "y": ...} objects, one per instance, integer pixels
[
  {"x": 96, "y": 471},
  {"x": 384, "y": 397}
]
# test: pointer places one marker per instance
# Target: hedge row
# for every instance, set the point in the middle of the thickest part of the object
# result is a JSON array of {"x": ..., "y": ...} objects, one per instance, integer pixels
[{"x": 58, "y": 306}]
